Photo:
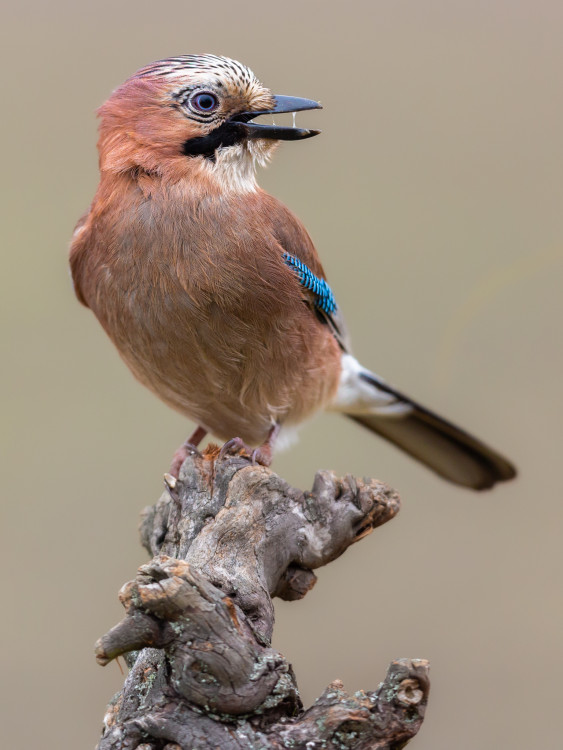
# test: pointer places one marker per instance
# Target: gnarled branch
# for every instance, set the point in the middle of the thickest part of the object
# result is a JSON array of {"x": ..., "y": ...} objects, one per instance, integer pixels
[{"x": 226, "y": 538}]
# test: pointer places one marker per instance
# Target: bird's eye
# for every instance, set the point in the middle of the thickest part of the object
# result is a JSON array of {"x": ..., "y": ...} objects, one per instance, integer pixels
[{"x": 204, "y": 102}]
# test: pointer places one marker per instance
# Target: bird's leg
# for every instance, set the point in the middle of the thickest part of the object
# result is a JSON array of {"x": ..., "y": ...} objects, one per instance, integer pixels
[{"x": 187, "y": 448}]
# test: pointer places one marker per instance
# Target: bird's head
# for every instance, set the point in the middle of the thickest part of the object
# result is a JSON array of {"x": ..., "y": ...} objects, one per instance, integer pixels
[{"x": 192, "y": 115}]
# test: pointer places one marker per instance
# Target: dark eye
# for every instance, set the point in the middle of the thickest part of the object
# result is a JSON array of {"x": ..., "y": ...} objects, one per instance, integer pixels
[{"x": 204, "y": 102}]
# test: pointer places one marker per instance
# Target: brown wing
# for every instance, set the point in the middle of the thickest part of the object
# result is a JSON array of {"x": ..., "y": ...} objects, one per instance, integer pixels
[
  {"x": 295, "y": 240},
  {"x": 77, "y": 256}
]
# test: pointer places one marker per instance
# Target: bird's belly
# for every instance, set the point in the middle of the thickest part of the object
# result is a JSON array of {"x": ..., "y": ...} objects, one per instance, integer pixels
[{"x": 235, "y": 373}]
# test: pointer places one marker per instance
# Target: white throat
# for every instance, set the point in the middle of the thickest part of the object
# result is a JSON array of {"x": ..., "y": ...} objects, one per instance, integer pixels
[{"x": 234, "y": 167}]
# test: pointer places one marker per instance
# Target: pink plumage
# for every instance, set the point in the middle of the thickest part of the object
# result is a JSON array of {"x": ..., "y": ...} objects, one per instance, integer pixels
[{"x": 183, "y": 260}]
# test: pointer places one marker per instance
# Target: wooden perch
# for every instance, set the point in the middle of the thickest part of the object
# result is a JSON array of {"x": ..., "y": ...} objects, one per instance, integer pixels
[{"x": 226, "y": 538}]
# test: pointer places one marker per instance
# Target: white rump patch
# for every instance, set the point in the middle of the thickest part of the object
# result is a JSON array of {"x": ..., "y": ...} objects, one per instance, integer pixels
[
  {"x": 358, "y": 396},
  {"x": 288, "y": 436}
]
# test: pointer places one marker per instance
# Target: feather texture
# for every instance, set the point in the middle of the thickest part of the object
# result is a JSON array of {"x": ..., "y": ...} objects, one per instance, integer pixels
[
  {"x": 212, "y": 290},
  {"x": 446, "y": 449},
  {"x": 322, "y": 293},
  {"x": 192, "y": 288}
]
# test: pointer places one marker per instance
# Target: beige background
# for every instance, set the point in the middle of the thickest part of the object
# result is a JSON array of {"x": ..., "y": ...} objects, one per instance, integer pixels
[{"x": 434, "y": 196}]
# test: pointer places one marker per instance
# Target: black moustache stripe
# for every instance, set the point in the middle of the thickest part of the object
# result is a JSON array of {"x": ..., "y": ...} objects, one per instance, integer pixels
[{"x": 227, "y": 134}]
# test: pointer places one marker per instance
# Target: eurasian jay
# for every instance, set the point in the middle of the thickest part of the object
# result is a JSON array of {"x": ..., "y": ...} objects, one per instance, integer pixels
[{"x": 212, "y": 290}]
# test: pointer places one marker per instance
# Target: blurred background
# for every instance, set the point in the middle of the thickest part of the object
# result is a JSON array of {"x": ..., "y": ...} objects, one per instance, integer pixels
[{"x": 434, "y": 197}]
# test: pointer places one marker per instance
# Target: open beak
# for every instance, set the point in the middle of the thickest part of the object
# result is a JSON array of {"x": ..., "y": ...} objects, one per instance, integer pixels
[{"x": 277, "y": 132}]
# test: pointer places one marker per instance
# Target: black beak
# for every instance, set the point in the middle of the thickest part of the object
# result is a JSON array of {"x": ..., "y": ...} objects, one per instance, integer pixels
[
  {"x": 239, "y": 128},
  {"x": 276, "y": 132}
]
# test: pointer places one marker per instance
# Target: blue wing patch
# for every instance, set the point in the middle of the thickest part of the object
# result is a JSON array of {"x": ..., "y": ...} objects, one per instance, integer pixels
[{"x": 324, "y": 298}]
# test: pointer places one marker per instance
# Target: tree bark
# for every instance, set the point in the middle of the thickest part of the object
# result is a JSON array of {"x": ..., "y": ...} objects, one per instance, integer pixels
[{"x": 226, "y": 537}]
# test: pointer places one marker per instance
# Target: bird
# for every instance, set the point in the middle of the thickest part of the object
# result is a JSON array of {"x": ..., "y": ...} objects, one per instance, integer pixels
[{"x": 212, "y": 290}]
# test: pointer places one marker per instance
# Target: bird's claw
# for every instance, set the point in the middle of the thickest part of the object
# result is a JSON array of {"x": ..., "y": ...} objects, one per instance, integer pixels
[
  {"x": 170, "y": 481},
  {"x": 234, "y": 446},
  {"x": 262, "y": 456}
]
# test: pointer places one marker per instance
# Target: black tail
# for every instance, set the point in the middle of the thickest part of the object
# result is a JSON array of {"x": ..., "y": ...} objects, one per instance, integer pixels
[{"x": 446, "y": 449}]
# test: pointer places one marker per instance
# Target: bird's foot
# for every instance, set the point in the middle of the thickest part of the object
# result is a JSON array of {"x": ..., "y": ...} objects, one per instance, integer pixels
[
  {"x": 233, "y": 446},
  {"x": 188, "y": 448},
  {"x": 265, "y": 453},
  {"x": 261, "y": 455}
]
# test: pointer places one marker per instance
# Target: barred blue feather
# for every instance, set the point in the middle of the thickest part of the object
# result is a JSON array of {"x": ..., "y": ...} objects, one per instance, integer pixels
[{"x": 324, "y": 298}]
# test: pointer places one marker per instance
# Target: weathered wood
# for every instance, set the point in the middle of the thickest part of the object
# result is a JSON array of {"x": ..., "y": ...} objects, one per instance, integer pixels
[{"x": 225, "y": 538}]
